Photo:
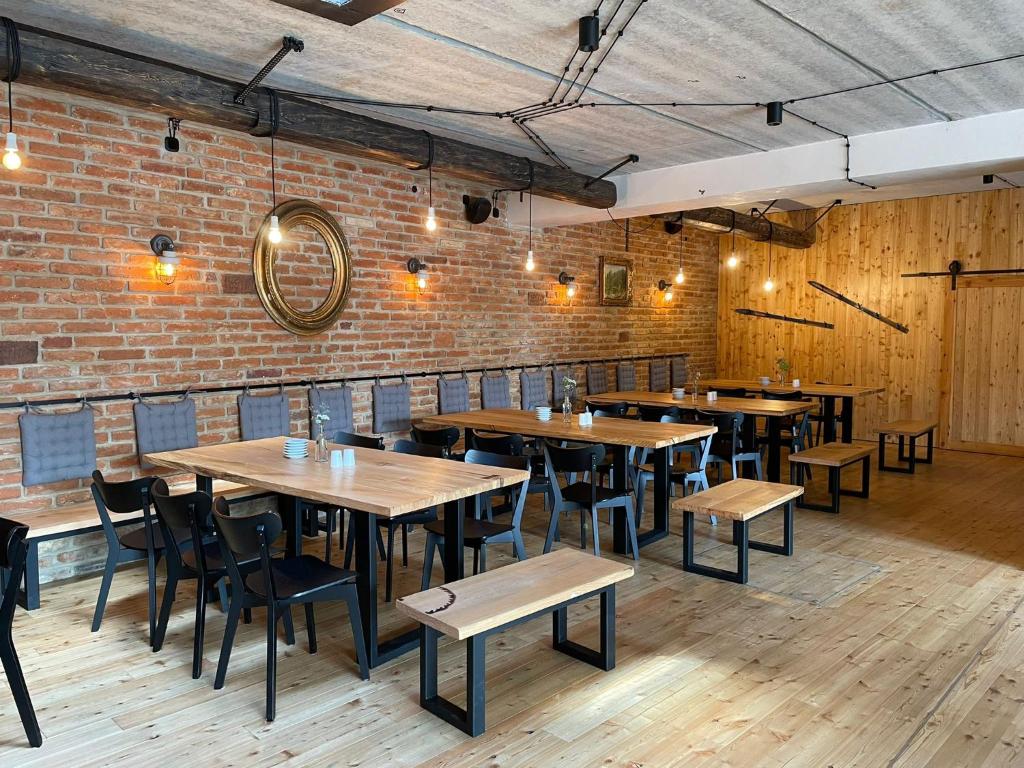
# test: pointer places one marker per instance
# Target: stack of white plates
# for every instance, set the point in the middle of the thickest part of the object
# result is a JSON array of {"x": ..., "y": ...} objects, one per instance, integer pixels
[
  {"x": 543, "y": 413},
  {"x": 295, "y": 448}
]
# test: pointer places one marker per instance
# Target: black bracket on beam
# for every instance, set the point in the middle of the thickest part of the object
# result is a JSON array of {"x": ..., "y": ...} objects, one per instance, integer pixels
[
  {"x": 613, "y": 169},
  {"x": 956, "y": 269},
  {"x": 288, "y": 45},
  {"x": 857, "y": 305},
  {"x": 785, "y": 318}
]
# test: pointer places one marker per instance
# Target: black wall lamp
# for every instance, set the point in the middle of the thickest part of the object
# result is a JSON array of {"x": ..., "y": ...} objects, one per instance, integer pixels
[
  {"x": 167, "y": 259},
  {"x": 666, "y": 289},
  {"x": 419, "y": 269},
  {"x": 171, "y": 143},
  {"x": 569, "y": 281}
]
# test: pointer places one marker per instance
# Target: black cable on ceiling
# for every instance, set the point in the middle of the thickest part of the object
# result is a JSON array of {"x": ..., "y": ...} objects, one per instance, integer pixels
[{"x": 608, "y": 50}]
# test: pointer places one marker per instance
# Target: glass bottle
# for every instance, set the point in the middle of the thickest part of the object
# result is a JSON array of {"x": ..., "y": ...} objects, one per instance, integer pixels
[
  {"x": 321, "y": 454},
  {"x": 566, "y": 407}
]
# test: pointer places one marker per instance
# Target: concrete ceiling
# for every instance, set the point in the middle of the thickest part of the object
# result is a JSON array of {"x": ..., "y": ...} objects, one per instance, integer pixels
[{"x": 496, "y": 55}]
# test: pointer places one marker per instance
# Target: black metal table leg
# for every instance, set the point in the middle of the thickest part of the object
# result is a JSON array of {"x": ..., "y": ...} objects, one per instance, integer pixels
[
  {"x": 619, "y": 536},
  {"x": 453, "y": 527},
  {"x": 847, "y": 420},
  {"x": 774, "y": 468},
  {"x": 828, "y": 419},
  {"x": 290, "y": 510},
  {"x": 748, "y": 434},
  {"x": 204, "y": 484},
  {"x": 661, "y": 459}
]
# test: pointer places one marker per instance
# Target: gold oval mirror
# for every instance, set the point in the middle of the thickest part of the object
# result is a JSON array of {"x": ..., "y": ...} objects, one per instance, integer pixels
[{"x": 303, "y": 281}]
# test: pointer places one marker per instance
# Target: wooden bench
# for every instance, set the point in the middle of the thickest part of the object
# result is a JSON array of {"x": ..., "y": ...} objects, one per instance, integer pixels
[
  {"x": 474, "y": 608},
  {"x": 82, "y": 518},
  {"x": 835, "y": 456},
  {"x": 741, "y": 501},
  {"x": 907, "y": 429}
]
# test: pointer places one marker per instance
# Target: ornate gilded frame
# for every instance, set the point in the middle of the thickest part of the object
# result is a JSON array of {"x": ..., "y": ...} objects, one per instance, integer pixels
[{"x": 290, "y": 214}]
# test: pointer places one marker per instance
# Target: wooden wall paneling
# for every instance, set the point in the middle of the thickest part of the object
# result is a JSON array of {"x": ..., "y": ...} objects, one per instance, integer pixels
[{"x": 861, "y": 250}]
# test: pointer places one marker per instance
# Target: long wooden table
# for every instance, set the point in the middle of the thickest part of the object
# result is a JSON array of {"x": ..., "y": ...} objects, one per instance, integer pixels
[
  {"x": 607, "y": 431},
  {"x": 829, "y": 394},
  {"x": 382, "y": 484},
  {"x": 772, "y": 410}
]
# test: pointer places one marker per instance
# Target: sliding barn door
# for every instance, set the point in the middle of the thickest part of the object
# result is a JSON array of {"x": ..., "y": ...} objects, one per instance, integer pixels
[{"x": 985, "y": 367}]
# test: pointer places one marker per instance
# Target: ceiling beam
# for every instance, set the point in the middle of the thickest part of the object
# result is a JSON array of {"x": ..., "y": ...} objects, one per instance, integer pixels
[
  {"x": 66, "y": 64},
  {"x": 725, "y": 220}
]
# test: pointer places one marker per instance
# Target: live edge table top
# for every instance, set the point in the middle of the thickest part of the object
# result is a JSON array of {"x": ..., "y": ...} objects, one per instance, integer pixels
[
  {"x": 383, "y": 483},
  {"x": 608, "y": 431},
  {"x": 750, "y": 406}
]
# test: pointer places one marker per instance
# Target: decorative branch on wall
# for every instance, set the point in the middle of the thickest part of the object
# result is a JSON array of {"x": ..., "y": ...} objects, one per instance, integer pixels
[
  {"x": 857, "y": 305},
  {"x": 956, "y": 269},
  {"x": 785, "y": 318}
]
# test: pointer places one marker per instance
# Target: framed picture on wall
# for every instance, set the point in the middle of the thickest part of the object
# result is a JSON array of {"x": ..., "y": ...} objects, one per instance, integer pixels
[{"x": 616, "y": 281}]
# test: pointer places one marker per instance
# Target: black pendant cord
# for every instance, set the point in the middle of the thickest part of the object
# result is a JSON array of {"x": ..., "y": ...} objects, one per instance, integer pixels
[
  {"x": 13, "y": 66},
  {"x": 771, "y": 238},
  {"x": 681, "y": 227},
  {"x": 429, "y": 168},
  {"x": 275, "y": 122}
]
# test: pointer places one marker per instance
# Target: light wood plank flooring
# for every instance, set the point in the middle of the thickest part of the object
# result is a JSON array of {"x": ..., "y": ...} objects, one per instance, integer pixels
[{"x": 893, "y": 638}]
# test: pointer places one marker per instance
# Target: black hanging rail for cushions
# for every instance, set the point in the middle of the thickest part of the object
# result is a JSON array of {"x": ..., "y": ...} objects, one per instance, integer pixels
[
  {"x": 857, "y": 305},
  {"x": 956, "y": 269},
  {"x": 333, "y": 380},
  {"x": 785, "y": 318}
]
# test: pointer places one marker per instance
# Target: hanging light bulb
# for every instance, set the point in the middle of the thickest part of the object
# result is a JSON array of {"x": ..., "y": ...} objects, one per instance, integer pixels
[
  {"x": 274, "y": 233},
  {"x": 768, "y": 285},
  {"x": 680, "y": 277},
  {"x": 732, "y": 261},
  {"x": 431, "y": 222},
  {"x": 530, "y": 263},
  {"x": 12, "y": 160}
]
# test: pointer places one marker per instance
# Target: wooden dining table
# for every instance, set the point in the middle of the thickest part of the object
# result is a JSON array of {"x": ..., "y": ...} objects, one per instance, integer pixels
[
  {"x": 381, "y": 484},
  {"x": 772, "y": 410},
  {"x": 829, "y": 394},
  {"x": 623, "y": 433}
]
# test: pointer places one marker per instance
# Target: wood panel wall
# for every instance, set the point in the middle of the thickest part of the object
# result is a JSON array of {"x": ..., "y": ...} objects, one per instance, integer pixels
[{"x": 861, "y": 251}]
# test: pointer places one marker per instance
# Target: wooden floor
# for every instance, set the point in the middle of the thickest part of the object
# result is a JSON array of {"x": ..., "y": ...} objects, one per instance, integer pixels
[{"x": 892, "y": 638}]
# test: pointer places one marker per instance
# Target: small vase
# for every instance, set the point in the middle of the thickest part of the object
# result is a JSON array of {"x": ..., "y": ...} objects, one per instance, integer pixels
[
  {"x": 566, "y": 408},
  {"x": 321, "y": 454}
]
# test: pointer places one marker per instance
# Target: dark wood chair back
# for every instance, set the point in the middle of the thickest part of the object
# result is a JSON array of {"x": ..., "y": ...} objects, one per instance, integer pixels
[
  {"x": 358, "y": 441},
  {"x": 413, "y": 448}
]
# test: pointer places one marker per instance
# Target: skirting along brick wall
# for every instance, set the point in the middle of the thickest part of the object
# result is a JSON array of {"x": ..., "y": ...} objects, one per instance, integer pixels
[{"x": 81, "y": 312}]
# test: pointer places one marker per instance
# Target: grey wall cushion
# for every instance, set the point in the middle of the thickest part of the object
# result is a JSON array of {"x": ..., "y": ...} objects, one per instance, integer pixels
[
  {"x": 452, "y": 395},
  {"x": 658, "y": 376},
  {"x": 597, "y": 379},
  {"x": 532, "y": 390},
  {"x": 263, "y": 416},
  {"x": 494, "y": 391},
  {"x": 164, "y": 427},
  {"x": 557, "y": 392},
  {"x": 57, "y": 446},
  {"x": 392, "y": 411},
  {"x": 678, "y": 371},
  {"x": 625, "y": 377},
  {"x": 339, "y": 405}
]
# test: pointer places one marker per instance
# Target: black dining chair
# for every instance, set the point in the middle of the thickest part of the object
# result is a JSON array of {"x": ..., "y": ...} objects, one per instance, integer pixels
[
  {"x": 478, "y": 534},
  {"x": 445, "y": 437},
  {"x": 512, "y": 445},
  {"x": 334, "y": 517},
  {"x": 124, "y": 498},
  {"x": 818, "y": 416},
  {"x": 184, "y": 518},
  {"x": 655, "y": 412},
  {"x": 278, "y": 584},
  {"x": 680, "y": 473},
  {"x": 728, "y": 447},
  {"x": 13, "y": 551},
  {"x": 794, "y": 431},
  {"x": 583, "y": 496},
  {"x": 732, "y": 392},
  {"x": 402, "y": 522}
]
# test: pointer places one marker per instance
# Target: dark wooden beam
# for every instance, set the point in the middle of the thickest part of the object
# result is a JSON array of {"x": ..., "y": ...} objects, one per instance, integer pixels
[
  {"x": 61, "y": 63},
  {"x": 723, "y": 220}
]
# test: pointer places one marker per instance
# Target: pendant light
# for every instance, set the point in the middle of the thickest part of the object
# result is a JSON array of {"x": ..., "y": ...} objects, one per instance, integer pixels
[
  {"x": 12, "y": 160},
  {"x": 680, "y": 277},
  {"x": 733, "y": 260},
  {"x": 431, "y": 220},
  {"x": 274, "y": 233},
  {"x": 530, "y": 263},
  {"x": 769, "y": 285}
]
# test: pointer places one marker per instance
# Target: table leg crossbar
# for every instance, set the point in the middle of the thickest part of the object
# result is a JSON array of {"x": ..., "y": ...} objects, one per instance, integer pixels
[
  {"x": 835, "y": 489},
  {"x": 910, "y": 458}
]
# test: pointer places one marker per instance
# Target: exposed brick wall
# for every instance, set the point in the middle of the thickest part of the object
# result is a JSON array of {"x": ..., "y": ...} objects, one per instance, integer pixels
[{"x": 76, "y": 276}]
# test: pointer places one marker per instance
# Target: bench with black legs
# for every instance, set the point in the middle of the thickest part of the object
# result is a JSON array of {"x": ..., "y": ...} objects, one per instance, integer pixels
[
  {"x": 473, "y": 609},
  {"x": 741, "y": 501},
  {"x": 907, "y": 430},
  {"x": 833, "y": 456}
]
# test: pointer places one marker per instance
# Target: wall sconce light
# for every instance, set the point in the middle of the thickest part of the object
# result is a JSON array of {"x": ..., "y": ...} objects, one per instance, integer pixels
[
  {"x": 418, "y": 268},
  {"x": 171, "y": 142},
  {"x": 167, "y": 260},
  {"x": 666, "y": 289},
  {"x": 569, "y": 281}
]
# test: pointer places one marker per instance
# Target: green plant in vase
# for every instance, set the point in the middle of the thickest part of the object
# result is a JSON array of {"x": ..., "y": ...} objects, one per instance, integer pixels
[{"x": 782, "y": 366}]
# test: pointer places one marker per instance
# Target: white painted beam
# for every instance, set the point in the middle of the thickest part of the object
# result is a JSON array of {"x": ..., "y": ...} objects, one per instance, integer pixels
[{"x": 894, "y": 161}]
